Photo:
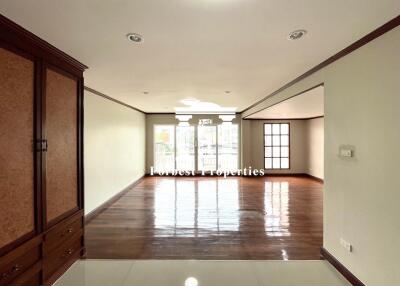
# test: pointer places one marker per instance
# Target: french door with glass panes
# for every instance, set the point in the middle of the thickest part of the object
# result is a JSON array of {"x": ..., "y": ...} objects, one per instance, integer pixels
[{"x": 204, "y": 147}]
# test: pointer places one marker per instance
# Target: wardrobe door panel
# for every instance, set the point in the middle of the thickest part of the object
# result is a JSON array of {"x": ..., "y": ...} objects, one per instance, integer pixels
[
  {"x": 61, "y": 134},
  {"x": 17, "y": 213}
]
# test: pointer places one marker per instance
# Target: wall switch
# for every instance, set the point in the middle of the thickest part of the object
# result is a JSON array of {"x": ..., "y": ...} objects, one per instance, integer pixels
[
  {"x": 346, "y": 151},
  {"x": 346, "y": 245}
]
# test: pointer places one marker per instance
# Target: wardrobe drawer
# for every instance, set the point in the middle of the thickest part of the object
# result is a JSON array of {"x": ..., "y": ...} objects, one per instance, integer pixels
[
  {"x": 62, "y": 254},
  {"x": 62, "y": 232},
  {"x": 31, "y": 277},
  {"x": 13, "y": 266}
]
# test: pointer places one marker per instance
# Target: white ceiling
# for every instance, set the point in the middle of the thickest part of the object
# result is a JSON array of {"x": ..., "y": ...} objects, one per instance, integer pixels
[
  {"x": 306, "y": 105},
  {"x": 197, "y": 49}
]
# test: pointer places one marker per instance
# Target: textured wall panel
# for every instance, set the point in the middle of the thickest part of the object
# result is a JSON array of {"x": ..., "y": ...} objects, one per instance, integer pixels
[
  {"x": 61, "y": 133},
  {"x": 16, "y": 152}
]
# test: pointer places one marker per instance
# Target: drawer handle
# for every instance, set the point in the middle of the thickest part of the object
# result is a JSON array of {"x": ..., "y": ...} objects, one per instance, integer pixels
[
  {"x": 68, "y": 231},
  {"x": 68, "y": 252},
  {"x": 16, "y": 268}
]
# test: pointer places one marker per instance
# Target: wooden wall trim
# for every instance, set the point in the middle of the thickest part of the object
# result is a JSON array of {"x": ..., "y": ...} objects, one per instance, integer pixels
[
  {"x": 198, "y": 175},
  {"x": 21, "y": 38},
  {"x": 112, "y": 99},
  {"x": 304, "y": 175},
  {"x": 94, "y": 213},
  {"x": 341, "y": 268},
  {"x": 284, "y": 119},
  {"x": 356, "y": 45}
]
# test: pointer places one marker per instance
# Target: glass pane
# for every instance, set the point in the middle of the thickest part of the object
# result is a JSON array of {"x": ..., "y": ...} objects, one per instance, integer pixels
[
  {"x": 285, "y": 140},
  {"x": 164, "y": 147},
  {"x": 284, "y": 128},
  {"x": 276, "y": 128},
  {"x": 276, "y": 163},
  {"x": 276, "y": 152},
  {"x": 275, "y": 140},
  {"x": 268, "y": 140},
  {"x": 207, "y": 148},
  {"x": 284, "y": 151},
  {"x": 268, "y": 163},
  {"x": 268, "y": 152},
  {"x": 285, "y": 163},
  {"x": 228, "y": 155},
  {"x": 185, "y": 147},
  {"x": 267, "y": 129}
]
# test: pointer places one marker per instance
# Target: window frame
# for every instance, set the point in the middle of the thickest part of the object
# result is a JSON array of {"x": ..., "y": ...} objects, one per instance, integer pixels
[{"x": 280, "y": 146}]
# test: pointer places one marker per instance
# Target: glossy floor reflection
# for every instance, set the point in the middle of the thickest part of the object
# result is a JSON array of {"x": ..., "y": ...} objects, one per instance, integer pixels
[
  {"x": 201, "y": 273},
  {"x": 211, "y": 218}
]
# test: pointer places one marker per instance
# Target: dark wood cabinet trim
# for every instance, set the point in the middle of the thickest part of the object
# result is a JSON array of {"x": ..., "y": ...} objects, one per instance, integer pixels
[{"x": 21, "y": 38}]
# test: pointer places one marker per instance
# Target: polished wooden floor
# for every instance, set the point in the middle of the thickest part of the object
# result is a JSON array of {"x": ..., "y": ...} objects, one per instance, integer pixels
[{"x": 211, "y": 218}]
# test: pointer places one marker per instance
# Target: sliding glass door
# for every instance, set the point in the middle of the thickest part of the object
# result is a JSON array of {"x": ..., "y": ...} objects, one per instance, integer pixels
[
  {"x": 207, "y": 148},
  {"x": 228, "y": 147},
  {"x": 212, "y": 147},
  {"x": 185, "y": 151}
]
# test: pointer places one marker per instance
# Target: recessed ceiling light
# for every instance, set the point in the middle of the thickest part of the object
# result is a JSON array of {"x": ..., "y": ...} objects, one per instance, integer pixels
[
  {"x": 191, "y": 281},
  {"x": 295, "y": 35},
  {"x": 133, "y": 37}
]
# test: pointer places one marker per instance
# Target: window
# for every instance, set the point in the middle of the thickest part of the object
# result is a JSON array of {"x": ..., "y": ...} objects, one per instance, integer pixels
[{"x": 276, "y": 146}]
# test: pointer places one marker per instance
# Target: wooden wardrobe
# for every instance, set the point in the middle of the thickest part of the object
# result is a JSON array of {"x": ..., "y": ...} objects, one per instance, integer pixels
[{"x": 41, "y": 167}]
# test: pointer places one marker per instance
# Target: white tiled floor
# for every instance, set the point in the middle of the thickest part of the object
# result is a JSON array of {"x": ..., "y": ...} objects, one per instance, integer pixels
[{"x": 205, "y": 273}]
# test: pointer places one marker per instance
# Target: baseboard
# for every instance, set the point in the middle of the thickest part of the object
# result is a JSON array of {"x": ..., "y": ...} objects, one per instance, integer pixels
[
  {"x": 341, "y": 268},
  {"x": 266, "y": 174},
  {"x": 110, "y": 201},
  {"x": 315, "y": 178},
  {"x": 295, "y": 175}
]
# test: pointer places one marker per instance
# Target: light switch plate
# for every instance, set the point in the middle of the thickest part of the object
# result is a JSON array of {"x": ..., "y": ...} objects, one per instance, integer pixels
[{"x": 346, "y": 151}]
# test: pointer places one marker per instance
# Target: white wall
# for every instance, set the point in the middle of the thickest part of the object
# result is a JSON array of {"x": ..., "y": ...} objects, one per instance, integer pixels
[
  {"x": 361, "y": 195},
  {"x": 315, "y": 147},
  {"x": 114, "y": 148}
]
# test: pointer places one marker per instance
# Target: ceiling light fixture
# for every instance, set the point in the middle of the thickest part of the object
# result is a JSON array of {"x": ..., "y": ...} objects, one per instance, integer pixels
[
  {"x": 145, "y": 92},
  {"x": 133, "y": 37},
  {"x": 227, "y": 119},
  {"x": 191, "y": 281},
  {"x": 295, "y": 35},
  {"x": 227, "y": 91}
]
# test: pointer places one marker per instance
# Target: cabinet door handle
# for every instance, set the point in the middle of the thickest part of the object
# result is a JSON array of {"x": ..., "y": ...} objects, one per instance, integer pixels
[
  {"x": 41, "y": 145},
  {"x": 44, "y": 145}
]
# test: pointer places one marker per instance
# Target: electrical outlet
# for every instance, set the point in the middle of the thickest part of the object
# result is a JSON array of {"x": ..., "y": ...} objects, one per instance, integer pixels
[{"x": 346, "y": 245}]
